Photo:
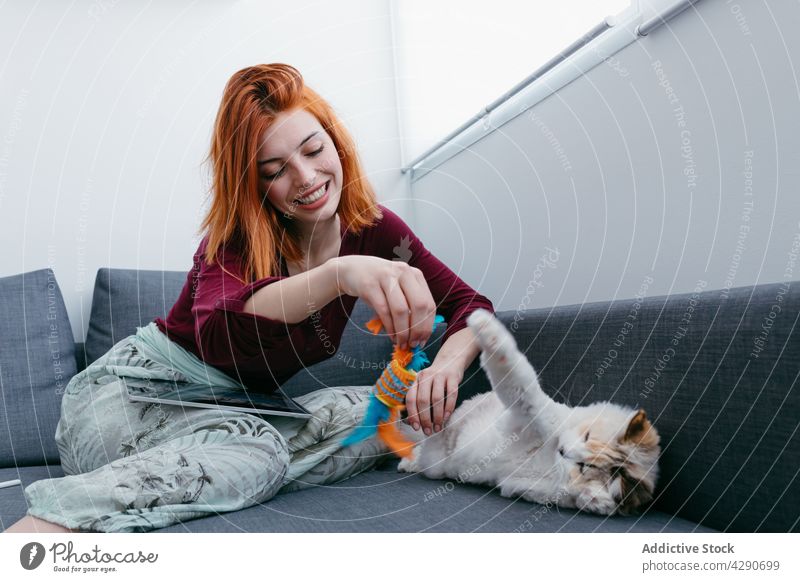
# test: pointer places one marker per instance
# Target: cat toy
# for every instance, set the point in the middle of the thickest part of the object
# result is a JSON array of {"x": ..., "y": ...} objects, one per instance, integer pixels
[{"x": 388, "y": 397}]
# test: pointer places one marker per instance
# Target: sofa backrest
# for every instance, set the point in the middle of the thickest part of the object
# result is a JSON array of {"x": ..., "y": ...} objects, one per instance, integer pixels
[
  {"x": 125, "y": 299},
  {"x": 37, "y": 360}
]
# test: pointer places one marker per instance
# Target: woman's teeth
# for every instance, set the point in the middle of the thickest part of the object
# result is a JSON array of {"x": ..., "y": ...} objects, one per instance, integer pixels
[{"x": 313, "y": 197}]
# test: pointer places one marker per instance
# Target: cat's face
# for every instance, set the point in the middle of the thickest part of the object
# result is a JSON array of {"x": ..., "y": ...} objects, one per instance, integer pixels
[{"x": 610, "y": 454}]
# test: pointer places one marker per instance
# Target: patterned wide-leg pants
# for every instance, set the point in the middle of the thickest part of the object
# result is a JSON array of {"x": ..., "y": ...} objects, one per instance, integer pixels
[{"x": 134, "y": 466}]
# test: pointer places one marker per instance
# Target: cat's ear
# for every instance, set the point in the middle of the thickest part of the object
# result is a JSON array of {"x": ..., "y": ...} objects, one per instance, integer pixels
[{"x": 638, "y": 428}]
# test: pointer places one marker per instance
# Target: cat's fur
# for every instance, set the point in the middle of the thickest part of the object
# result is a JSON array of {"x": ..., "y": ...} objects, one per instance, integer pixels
[{"x": 600, "y": 458}]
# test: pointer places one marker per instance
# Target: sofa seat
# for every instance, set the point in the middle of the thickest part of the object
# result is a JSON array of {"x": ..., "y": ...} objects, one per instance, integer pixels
[
  {"x": 384, "y": 500},
  {"x": 12, "y": 500}
]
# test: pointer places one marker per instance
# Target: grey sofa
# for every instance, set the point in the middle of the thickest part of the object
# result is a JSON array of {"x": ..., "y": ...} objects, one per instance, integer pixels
[{"x": 717, "y": 373}]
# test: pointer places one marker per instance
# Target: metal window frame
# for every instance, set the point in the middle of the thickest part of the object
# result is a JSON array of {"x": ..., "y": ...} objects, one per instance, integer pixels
[{"x": 591, "y": 49}]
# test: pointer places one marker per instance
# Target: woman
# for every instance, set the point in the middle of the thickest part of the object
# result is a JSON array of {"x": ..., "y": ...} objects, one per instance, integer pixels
[{"x": 294, "y": 237}]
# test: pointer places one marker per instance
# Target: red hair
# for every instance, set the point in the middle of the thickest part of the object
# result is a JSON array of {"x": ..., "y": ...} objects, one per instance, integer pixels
[{"x": 239, "y": 213}]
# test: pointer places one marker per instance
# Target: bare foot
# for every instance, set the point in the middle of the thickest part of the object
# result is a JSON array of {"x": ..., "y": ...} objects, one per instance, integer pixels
[{"x": 30, "y": 524}]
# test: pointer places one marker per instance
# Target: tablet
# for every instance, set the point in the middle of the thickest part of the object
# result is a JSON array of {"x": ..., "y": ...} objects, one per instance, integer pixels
[{"x": 198, "y": 395}]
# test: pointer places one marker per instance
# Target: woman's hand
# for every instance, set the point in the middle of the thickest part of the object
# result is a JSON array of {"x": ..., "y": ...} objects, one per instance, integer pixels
[
  {"x": 397, "y": 292},
  {"x": 432, "y": 398}
]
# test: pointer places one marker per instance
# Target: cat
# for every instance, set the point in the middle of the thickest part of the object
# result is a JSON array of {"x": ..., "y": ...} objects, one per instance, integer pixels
[{"x": 601, "y": 458}]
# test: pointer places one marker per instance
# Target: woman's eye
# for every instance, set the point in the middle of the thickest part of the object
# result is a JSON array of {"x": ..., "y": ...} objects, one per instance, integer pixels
[
  {"x": 275, "y": 175},
  {"x": 278, "y": 174}
]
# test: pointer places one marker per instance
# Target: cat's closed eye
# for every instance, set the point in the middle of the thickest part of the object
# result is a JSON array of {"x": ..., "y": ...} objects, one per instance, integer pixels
[{"x": 586, "y": 436}]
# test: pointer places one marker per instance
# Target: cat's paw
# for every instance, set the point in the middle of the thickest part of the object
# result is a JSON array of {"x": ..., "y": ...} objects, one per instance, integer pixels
[
  {"x": 595, "y": 500},
  {"x": 484, "y": 326},
  {"x": 408, "y": 465},
  {"x": 491, "y": 335},
  {"x": 478, "y": 318}
]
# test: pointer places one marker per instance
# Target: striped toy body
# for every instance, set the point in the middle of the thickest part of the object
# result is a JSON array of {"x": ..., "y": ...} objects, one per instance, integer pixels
[{"x": 388, "y": 398}]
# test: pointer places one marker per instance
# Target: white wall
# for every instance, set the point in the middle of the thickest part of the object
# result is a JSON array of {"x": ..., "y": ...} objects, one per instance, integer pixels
[
  {"x": 441, "y": 88},
  {"x": 645, "y": 178},
  {"x": 106, "y": 109}
]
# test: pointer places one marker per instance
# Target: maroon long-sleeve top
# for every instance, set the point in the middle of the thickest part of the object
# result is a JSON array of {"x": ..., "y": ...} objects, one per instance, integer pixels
[{"x": 262, "y": 353}]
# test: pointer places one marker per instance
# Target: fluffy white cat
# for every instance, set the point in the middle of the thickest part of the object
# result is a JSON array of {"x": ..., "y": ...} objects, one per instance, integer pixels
[{"x": 600, "y": 458}]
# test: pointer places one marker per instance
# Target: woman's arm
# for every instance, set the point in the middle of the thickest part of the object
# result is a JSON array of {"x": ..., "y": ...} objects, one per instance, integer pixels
[
  {"x": 436, "y": 387},
  {"x": 461, "y": 347},
  {"x": 395, "y": 291},
  {"x": 295, "y": 298}
]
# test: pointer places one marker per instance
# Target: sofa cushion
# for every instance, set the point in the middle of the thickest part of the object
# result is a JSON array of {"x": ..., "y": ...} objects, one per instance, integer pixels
[
  {"x": 37, "y": 360},
  {"x": 125, "y": 299},
  {"x": 716, "y": 372}
]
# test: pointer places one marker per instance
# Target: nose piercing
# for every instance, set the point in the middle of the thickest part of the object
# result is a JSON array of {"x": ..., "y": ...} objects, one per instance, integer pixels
[{"x": 308, "y": 185}]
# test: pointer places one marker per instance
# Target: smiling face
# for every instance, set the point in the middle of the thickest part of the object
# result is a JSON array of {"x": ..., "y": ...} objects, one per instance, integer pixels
[{"x": 299, "y": 168}]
